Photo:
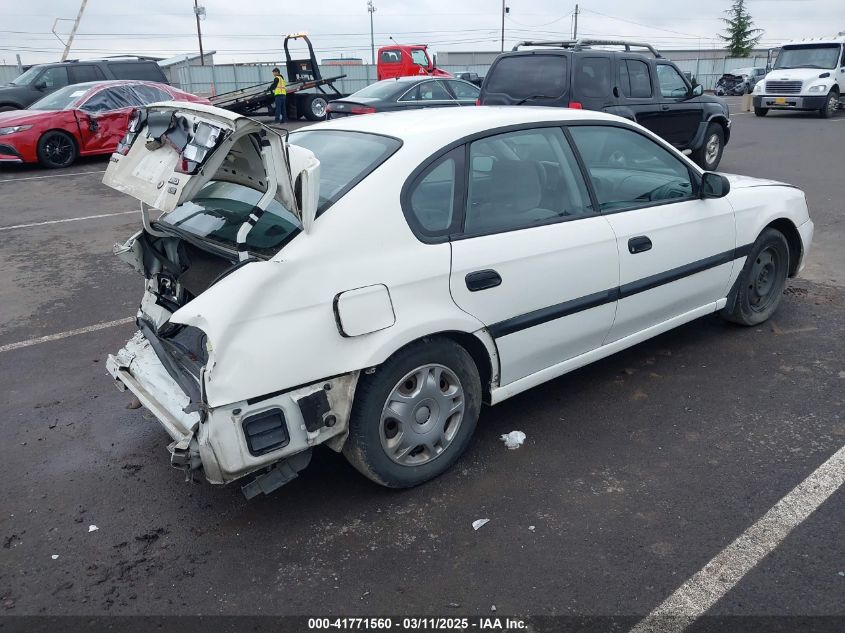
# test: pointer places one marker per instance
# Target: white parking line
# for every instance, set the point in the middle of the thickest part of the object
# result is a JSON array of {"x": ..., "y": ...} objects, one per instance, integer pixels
[
  {"x": 76, "y": 173},
  {"x": 61, "y": 335},
  {"x": 87, "y": 217},
  {"x": 698, "y": 594}
]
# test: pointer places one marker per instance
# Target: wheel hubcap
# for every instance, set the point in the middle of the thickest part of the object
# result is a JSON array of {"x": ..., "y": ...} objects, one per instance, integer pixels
[
  {"x": 318, "y": 107},
  {"x": 422, "y": 415},
  {"x": 763, "y": 282},
  {"x": 712, "y": 149}
]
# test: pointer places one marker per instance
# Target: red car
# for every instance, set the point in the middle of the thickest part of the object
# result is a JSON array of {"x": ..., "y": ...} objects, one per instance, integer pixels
[{"x": 79, "y": 120}]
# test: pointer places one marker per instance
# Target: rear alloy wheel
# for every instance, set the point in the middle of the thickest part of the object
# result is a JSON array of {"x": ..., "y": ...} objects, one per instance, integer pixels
[
  {"x": 315, "y": 108},
  {"x": 761, "y": 111},
  {"x": 56, "y": 149},
  {"x": 760, "y": 285},
  {"x": 830, "y": 105},
  {"x": 709, "y": 155},
  {"x": 415, "y": 415}
]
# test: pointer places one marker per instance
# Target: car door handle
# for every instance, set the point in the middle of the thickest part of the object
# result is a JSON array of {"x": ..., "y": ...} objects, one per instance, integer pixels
[
  {"x": 664, "y": 107},
  {"x": 639, "y": 244},
  {"x": 482, "y": 280}
]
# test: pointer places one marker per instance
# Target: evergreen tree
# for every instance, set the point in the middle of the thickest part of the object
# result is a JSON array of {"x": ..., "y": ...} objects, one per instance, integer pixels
[{"x": 739, "y": 32}]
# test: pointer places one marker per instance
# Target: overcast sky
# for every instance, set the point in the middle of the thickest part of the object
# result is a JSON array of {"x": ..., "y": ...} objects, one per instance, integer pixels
[{"x": 252, "y": 30}]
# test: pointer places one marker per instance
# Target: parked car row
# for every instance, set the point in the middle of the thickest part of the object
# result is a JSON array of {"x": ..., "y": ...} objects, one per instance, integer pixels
[{"x": 84, "y": 119}]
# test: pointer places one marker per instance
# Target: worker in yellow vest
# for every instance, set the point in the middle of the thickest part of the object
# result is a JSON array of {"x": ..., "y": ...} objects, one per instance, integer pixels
[{"x": 279, "y": 96}]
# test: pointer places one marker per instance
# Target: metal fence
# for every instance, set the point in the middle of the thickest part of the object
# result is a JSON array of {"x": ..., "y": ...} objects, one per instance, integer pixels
[{"x": 205, "y": 80}]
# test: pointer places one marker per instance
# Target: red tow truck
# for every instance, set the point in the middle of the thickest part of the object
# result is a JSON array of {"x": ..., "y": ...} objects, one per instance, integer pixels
[{"x": 406, "y": 60}]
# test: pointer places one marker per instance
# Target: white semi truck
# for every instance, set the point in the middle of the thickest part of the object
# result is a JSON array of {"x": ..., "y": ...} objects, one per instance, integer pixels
[{"x": 807, "y": 75}]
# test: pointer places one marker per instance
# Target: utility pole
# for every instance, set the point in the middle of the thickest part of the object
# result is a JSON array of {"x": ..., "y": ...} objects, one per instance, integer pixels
[
  {"x": 505, "y": 9},
  {"x": 199, "y": 11},
  {"x": 372, "y": 9},
  {"x": 73, "y": 30},
  {"x": 575, "y": 25}
]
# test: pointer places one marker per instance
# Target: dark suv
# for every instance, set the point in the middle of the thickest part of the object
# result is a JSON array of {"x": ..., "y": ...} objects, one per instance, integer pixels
[
  {"x": 648, "y": 90},
  {"x": 43, "y": 79}
]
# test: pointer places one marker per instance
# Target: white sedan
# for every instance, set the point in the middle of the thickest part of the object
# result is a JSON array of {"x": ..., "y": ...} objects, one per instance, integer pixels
[{"x": 368, "y": 283}]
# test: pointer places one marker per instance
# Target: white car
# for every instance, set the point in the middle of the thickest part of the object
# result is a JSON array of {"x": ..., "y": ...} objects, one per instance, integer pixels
[{"x": 368, "y": 283}]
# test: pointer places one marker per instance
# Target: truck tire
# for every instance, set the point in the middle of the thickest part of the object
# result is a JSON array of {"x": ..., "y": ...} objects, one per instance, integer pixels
[
  {"x": 314, "y": 108},
  {"x": 830, "y": 105},
  {"x": 710, "y": 153},
  {"x": 761, "y": 111}
]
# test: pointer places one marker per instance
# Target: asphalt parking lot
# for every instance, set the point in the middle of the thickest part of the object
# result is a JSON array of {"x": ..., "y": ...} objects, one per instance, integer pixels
[{"x": 636, "y": 471}]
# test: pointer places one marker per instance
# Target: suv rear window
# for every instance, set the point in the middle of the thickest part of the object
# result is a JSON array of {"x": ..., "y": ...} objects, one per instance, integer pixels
[
  {"x": 148, "y": 71},
  {"x": 524, "y": 76}
]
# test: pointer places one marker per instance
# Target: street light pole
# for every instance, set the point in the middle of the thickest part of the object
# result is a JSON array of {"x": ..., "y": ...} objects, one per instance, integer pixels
[
  {"x": 372, "y": 9},
  {"x": 198, "y": 10}
]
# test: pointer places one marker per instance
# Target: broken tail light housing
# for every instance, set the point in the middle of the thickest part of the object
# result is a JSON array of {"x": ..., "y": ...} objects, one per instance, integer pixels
[
  {"x": 137, "y": 120},
  {"x": 266, "y": 431},
  {"x": 205, "y": 138}
]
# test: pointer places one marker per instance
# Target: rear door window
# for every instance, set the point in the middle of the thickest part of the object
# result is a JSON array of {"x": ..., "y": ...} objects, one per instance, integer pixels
[
  {"x": 106, "y": 100},
  {"x": 526, "y": 76},
  {"x": 635, "y": 79},
  {"x": 592, "y": 79},
  {"x": 85, "y": 72},
  {"x": 434, "y": 91}
]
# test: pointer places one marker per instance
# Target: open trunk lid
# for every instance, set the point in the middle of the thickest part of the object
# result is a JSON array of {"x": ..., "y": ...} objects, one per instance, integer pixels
[{"x": 173, "y": 149}]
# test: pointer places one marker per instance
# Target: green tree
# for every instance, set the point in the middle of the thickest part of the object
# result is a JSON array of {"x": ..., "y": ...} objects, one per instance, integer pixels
[{"x": 740, "y": 33}]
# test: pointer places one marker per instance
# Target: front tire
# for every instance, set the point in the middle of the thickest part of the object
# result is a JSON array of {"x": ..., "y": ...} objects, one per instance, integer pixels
[
  {"x": 761, "y": 111},
  {"x": 415, "y": 414},
  {"x": 56, "y": 149},
  {"x": 709, "y": 154},
  {"x": 760, "y": 285},
  {"x": 830, "y": 105}
]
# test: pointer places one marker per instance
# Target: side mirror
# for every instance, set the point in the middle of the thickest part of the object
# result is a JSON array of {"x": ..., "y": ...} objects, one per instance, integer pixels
[
  {"x": 40, "y": 85},
  {"x": 714, "y": 185},
  {"x": 697, "y": 91}
]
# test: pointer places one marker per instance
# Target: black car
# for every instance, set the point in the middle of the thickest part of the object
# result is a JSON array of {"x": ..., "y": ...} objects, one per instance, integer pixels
[
  {"x": 42, "y": 79},
  {"x": 405, "y": 92},
  {"x": 650, "y": 90}
]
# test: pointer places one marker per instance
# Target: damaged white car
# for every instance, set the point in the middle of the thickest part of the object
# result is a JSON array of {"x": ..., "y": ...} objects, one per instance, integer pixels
[{"x": 367, "y": 283}]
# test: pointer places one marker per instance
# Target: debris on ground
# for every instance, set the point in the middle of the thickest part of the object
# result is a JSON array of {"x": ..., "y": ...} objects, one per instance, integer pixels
[
  {"x": 134, "y": 404},
  {"x": 8, "y": 603},
  {"x": 453, "y": 605},
  {"x": 531, "y": 527},
  {"x": 54, "y": 556},
  {"x": 92, "y": 528},
  {"x": 514, "y": 439},
  {"x": 493, "y": 607},
  {"x": 479, "y": 522}
]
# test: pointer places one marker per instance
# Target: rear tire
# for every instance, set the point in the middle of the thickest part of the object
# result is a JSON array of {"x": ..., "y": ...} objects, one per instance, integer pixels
[
  {"x": 709, "y": 154},
  {"x": 315, "y": 108},
  {"x": 56, "y": 149},
  {"x": 759, "y": 287},
  {"x": 415, "y": 414},
  {"x": 830, "y": 105},
  {"x": 761, "y": 111}
]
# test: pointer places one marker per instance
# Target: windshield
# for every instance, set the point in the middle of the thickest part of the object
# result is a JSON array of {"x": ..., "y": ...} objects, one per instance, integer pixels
[
  {"x": 26, "y": 78},
  {"x": 378, "y": 90},
  {"x": 220, "y": 208},
  {"x": 810, "y": 56},
  {"x": 346, "y": 158},
  {"x": 62, "y": 99}
]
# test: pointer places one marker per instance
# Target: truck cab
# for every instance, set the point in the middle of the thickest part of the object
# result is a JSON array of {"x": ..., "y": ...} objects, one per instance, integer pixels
[
  {"x": 807, "y": 75},
  {"x": 406, "y": 60}
]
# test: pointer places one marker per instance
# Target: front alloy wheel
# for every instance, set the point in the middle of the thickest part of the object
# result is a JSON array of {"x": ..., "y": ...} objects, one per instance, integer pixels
[{"x": 56, "y": 149}]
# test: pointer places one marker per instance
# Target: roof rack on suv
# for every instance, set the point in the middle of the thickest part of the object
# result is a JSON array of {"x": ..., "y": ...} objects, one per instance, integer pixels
[{"x": 587, "y": 43}]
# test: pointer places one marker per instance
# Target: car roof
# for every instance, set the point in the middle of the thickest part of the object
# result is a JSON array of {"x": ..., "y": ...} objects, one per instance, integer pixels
[
  {"x": 583, "y": 51},
  {"x": 440, "y": 126}
]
